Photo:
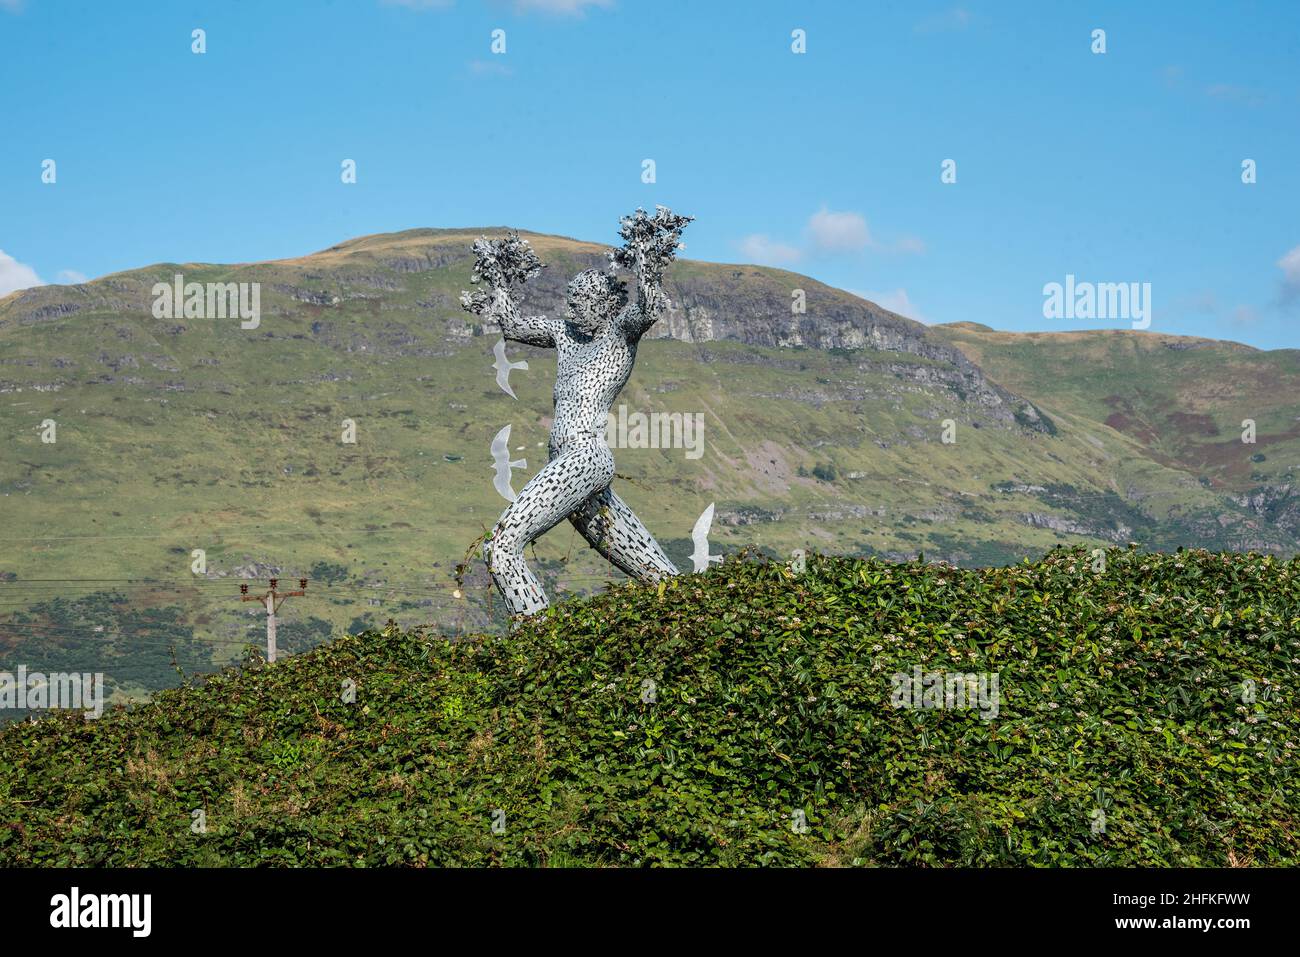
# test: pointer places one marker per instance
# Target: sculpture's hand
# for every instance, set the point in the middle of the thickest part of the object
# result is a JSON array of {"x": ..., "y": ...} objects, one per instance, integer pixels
[
  {"x": 649, "y": 242},
  {"x": 649, "y": 245},
  {"x": 500, "y": 263}
]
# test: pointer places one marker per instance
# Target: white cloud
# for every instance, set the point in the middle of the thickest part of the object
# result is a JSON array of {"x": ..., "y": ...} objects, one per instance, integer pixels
[
  {"x": 896, "y": 301},
  {"x": 419, "y": 4},
  {"x": 12, "y": 6},
  {"x": 489, "y": 68},
  {"x": 958, "y": 18},
  {"x": 828, "y": 232},
  {"x": 16, "y": 275},
  {"x": 758, "y": 248},
  {"x": 564, "y": 7},
  {"x": 71, "y": 277},
  {"x": 1234, "y": 93},
  {"x": 1290, "y": 266},
  {"x": 833, "y": 232}
]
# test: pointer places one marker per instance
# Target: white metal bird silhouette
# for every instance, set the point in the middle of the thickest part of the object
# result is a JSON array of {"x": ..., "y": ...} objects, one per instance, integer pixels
[
  {"x": 501, "y": 462},
  {"x": 700, "y": 538},
  {"x": 504, "y": 367}
]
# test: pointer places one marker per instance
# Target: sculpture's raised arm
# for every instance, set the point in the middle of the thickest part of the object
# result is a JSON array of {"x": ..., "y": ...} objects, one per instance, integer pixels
[
  {"x": 649, "y": 245},
  {"x": 499, "y": 263}
]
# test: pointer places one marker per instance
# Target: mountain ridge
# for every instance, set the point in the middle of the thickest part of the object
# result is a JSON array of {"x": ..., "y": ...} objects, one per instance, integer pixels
[
  {"x": 833, "y": 318},
  {"x": 399, "y": 237}
]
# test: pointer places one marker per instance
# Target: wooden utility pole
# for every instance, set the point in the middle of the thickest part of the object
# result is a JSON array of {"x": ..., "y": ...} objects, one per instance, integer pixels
[{"x": 272, "y": 599}]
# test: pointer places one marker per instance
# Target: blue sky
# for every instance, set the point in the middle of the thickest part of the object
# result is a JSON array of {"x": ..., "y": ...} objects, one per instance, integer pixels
[{"x": 1115, "y": 167}]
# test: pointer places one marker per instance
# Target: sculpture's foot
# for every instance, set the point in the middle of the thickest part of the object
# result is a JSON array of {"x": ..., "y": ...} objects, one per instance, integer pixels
[{"x": 518, "y": 586}]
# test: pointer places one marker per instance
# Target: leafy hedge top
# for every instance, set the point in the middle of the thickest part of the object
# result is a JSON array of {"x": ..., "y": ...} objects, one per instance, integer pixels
[{"x": 738, "y": 717}]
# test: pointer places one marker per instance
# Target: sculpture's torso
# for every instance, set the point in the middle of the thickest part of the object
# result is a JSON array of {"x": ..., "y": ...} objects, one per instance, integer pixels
[{"x": 590, "y": 372}]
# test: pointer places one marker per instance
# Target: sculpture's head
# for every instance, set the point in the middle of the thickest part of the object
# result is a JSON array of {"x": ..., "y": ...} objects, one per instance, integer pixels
[{"x": 593, "y": 299}]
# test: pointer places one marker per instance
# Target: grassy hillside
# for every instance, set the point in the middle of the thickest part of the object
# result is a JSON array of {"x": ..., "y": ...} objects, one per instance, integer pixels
[
  {"x": 1182, "y": 399},
  {"x": 821, "y": 430},
  {"x": 741, "y": 717}
]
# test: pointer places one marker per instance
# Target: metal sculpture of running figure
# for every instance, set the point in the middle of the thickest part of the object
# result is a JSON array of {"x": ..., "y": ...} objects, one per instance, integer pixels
[{"x": 596, "y": 343}]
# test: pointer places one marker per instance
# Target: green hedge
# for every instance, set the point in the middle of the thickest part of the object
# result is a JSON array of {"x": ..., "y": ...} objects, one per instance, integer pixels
[{"x": 742, "y": 717}]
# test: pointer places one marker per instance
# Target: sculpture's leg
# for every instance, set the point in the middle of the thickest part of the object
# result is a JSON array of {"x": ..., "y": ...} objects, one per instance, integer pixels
[
  {"x": 550, "y": 496},
  {"x": 612, "y": 528}
]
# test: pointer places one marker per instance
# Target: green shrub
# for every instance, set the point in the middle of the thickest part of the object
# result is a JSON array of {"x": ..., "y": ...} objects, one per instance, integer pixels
[{"x": 741, "y": 717}]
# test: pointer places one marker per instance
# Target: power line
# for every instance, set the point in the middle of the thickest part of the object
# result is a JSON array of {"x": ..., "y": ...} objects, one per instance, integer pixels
[
  {"x": 51, "y": 588},
  {"x": 72, "y": 633},
  {"x": 215, "y": 533},
  {"x": 158, "y": 640},
  {"x": 143, "y": 629},
  {"x": 196, "y": 580}
]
